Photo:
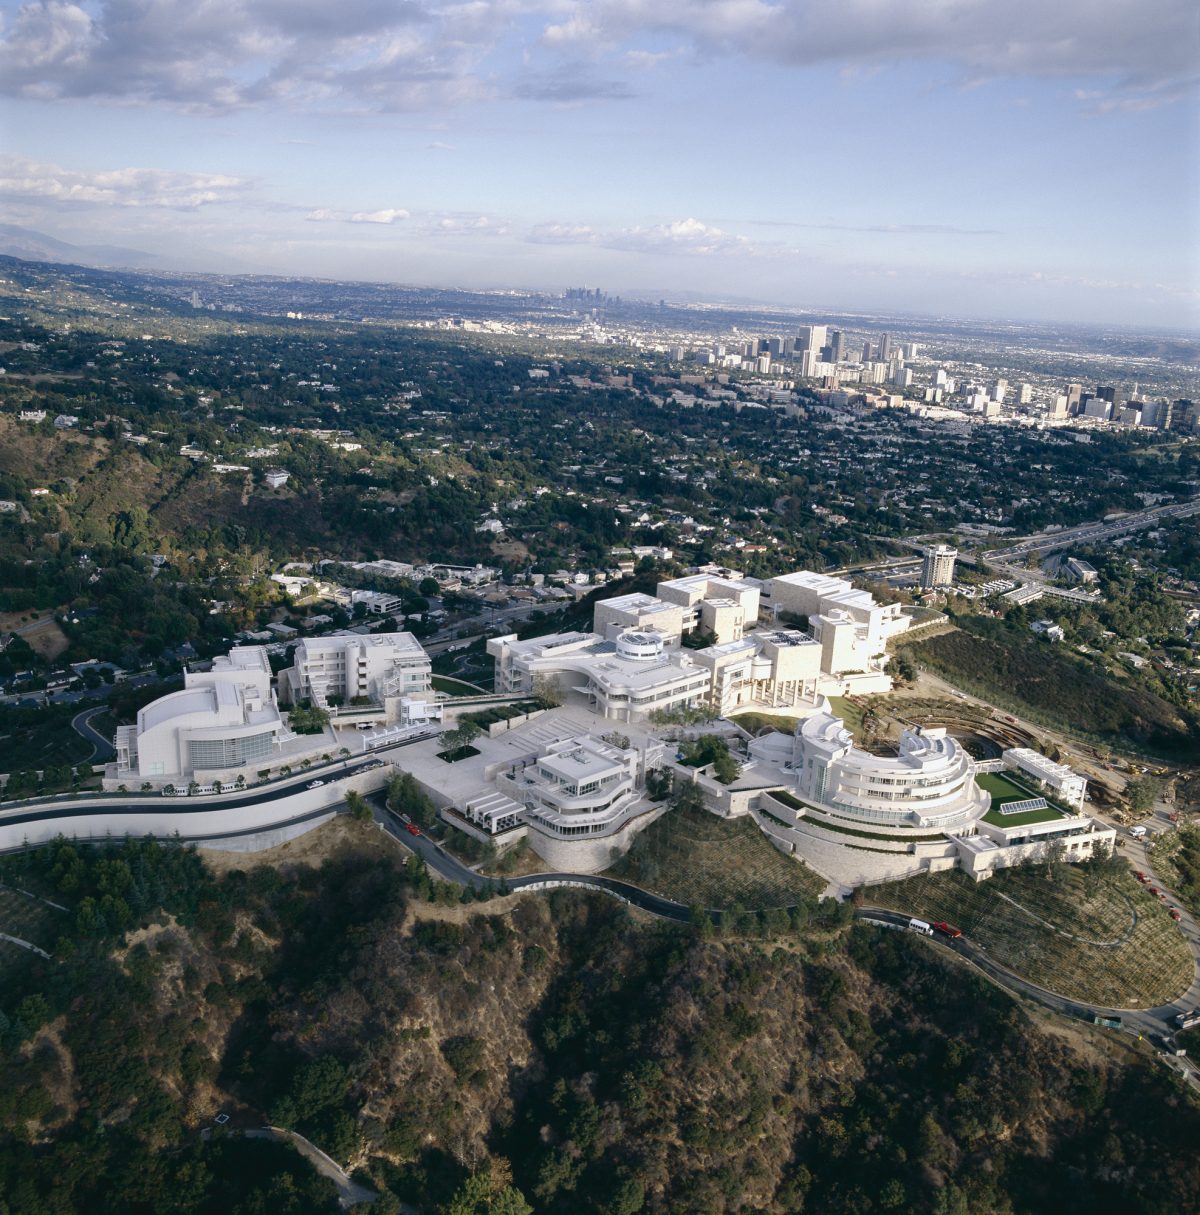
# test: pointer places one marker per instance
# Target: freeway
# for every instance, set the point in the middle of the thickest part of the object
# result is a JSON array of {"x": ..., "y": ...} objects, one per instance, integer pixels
[{"x": 1092, "y": 533}]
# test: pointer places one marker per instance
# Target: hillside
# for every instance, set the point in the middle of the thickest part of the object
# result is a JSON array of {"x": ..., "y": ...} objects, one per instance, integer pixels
[
  {"x": 561, "y": 1047},
  {"x": 1011, "y": 668}
]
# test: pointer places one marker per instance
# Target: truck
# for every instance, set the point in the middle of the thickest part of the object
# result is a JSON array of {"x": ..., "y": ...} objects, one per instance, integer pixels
[
  {"x": 947, "y": 930},
  {"x": 921, "y": 926},
  {"x": 1185, "y": 1020}
]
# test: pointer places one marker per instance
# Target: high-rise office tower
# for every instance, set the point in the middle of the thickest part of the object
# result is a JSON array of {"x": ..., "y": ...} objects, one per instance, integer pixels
[
  {"x": 1025, "y": 394},
  {"x": 837, "y": 346},
  {"x": 885, "y": 347},
  {"x": 937, "y": 569},
  {"x": 1074, "y": 394},
  {"x": 999, "y": 391},
  {"x": 812, "y": 337}
]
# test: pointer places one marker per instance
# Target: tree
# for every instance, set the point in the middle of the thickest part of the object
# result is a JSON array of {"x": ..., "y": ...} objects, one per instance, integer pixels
[
  {"x": 461, "y": 737},
  {"x": 1053, "y": 857},
  {"x": 1142, "y": 793},
  {"x": 359, "y": 809},
  {"x": 485, "y": 1194},
  {"x": 902, "y": 668},
  {"x": 547, "y": 691}
]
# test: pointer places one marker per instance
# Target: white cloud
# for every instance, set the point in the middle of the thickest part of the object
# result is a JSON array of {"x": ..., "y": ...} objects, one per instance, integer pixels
[
  {"x": 396, "y": 55},
  {"x": 687, "y": 236},
  {"x": 1144, "y": 48},
  {"x": 21, "y": 177},
  {"x": 391, "y": 216}
]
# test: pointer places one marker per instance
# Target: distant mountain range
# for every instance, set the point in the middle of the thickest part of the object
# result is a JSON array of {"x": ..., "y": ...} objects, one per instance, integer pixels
[{"x": 25, "y": 243}]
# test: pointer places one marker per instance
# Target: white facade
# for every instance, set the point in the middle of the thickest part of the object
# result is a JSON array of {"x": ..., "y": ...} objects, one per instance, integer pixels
[
  {"x": 937, "y": 566},
  {"x": 623, "y": 679},
  {"x": 1064, "y": 781},
  {"x": 378, "y": 669},
  {"x": 724, "y": 607},
  {"x": 580, "y": 787},
  {"x": 638, "y": 611},
  {"x": 222, "y": 720},
  {"x": 779, "y": 668},
  {"x": 810, "y": 594},
  {"x": 930, "y": 783}
]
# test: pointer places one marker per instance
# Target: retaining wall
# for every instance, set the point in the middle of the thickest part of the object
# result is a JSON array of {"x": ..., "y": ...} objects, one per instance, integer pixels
[
  {"x": 590, "y": 854},
  {"x": 244, "y": 827}
]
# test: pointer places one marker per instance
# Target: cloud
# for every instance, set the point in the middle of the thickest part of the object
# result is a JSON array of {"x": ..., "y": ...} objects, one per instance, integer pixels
[
  {"x": 221, "y": 54},
  {"x": 469, "y": 225},
  {"x": 572, "y": 82},
  {"x": 21, "y": 177},
  {"x": 390, "y": 216},
  {"x": 1145, "y": 49},
  {"x": 410, "y": 55},
  {"x": 885, "y": 229},
  {"x": 687, "y": 236}
]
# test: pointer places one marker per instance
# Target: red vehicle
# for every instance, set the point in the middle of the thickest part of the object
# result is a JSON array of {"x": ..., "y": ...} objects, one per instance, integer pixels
[
  {"x": 1141, "y": 877},
  {"x": 948, "y": 930},
  {"x": 1174, "y": 914},
  {"x": 1155, "y": 890},
  {"x": 412, "y": 829}
]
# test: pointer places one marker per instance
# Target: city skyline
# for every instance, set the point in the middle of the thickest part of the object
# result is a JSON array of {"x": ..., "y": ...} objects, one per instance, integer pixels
[{"x": 954, "y": 158}]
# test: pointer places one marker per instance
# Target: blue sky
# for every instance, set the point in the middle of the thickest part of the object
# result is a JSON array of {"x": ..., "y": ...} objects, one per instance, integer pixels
[{"x": 974, "y": 157}]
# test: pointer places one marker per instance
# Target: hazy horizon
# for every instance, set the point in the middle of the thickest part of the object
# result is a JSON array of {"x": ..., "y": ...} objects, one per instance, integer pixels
[{"x": 959, "y": 158}]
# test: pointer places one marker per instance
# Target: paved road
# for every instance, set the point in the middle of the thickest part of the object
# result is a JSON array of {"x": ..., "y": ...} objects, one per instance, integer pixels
[
  {"x": 1151, "y": 1022},
  {"x": 102, "y": 748},
  {"x": 350, "y": 1192}
]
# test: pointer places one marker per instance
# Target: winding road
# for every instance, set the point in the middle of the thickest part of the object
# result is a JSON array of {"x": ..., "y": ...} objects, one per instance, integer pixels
[
  {"x": 102, "y": 748},
  {"x": 1151, "y": 1023}
]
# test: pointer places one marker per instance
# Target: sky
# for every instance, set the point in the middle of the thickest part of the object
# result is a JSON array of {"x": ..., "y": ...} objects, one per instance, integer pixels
[{"x": 1023, "y": 159}]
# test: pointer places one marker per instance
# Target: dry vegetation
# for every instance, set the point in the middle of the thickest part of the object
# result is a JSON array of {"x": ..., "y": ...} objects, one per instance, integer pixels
[
  {"x": 693, "y": 857},
  {"x": 1119, "y": 949}
]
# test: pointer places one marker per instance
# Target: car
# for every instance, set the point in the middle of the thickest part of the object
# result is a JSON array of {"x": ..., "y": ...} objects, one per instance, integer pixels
[
  {"x": 1155, "y": 890},
  {"x": 412, "y": 829},
  {"x": 314, "y": 784},
  {"x": 1141, "y": 877},
  {"x": 1174, "y": 914}
]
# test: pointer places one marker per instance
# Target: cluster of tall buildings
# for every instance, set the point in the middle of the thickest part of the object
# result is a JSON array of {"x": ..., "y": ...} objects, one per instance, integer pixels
[
  {"x": 1104, "y": 404},
  {"x": 816, "y": 351}
]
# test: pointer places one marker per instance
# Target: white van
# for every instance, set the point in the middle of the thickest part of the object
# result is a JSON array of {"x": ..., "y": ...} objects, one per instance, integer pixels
[
  {"x": 1138, "y": 833},
  {"x": 921, "y": 926}
]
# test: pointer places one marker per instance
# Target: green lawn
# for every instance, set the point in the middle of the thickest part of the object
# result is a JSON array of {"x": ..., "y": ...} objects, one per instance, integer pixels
[
  {"x": 1054, "y": 935},
  {"x": 1046, "y": 814},
  {"x": 694, "y": 857},
  {"x": 1004, "y": 791},
  {"x": 755, "y": 722},
  {"x": 850, "y": 713},
  {"x": 455, "y": 687}
]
